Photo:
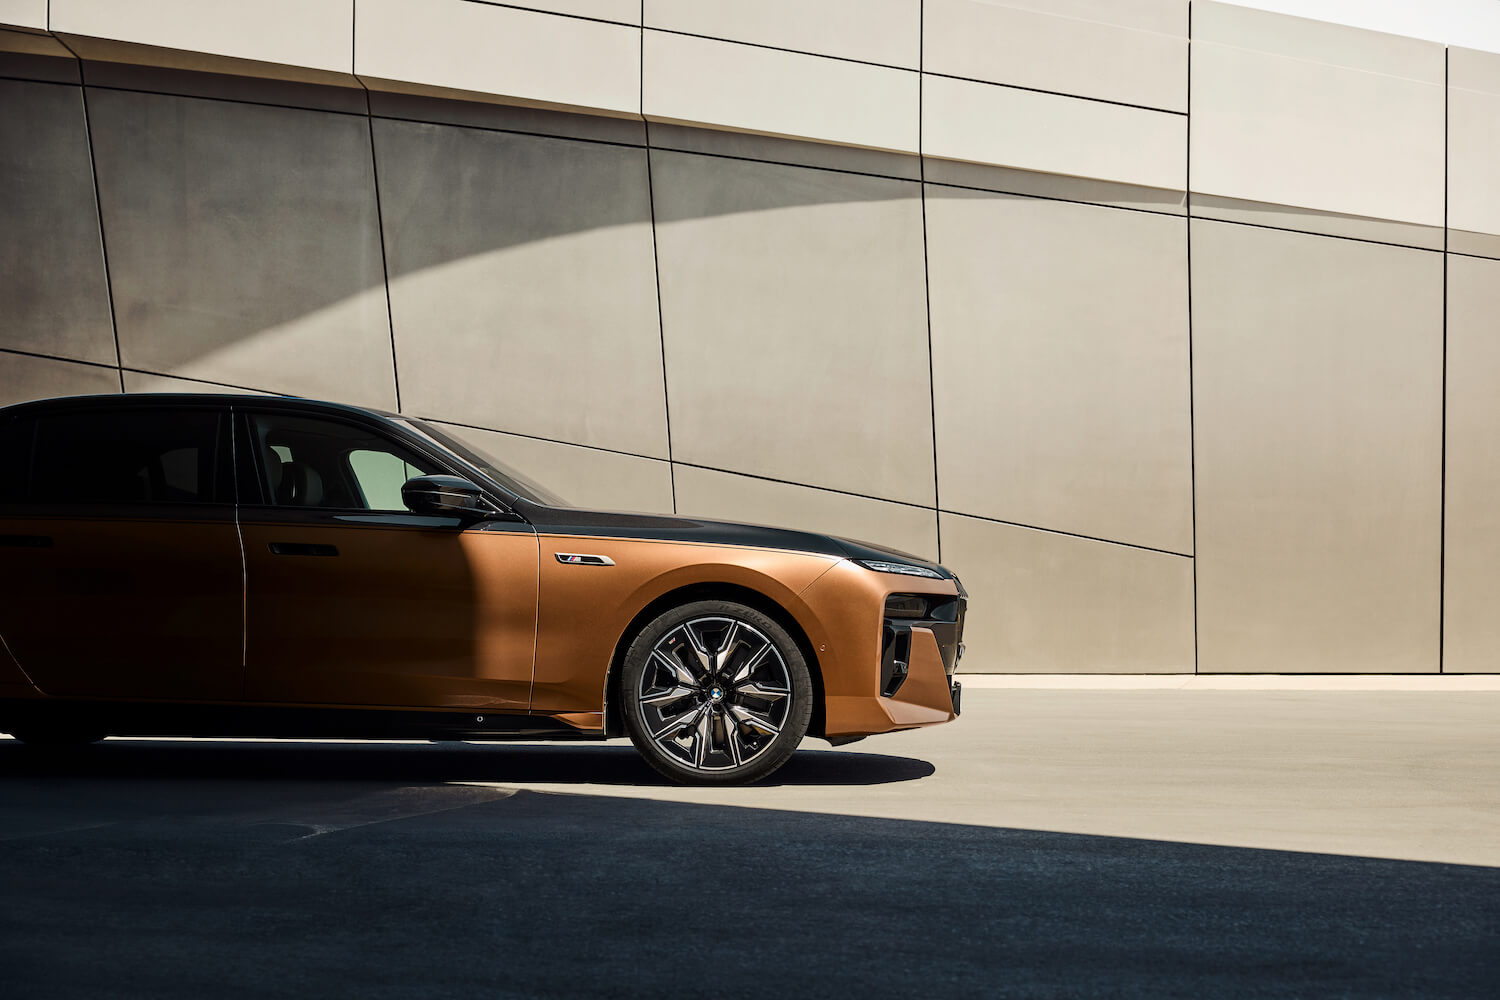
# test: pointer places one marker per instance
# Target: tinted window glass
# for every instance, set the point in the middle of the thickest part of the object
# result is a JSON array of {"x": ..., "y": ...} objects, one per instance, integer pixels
[
  {"x": 312, "y": 462},
  {"x": 15, "y": 458},
  {"x": 126, "y": 457}
]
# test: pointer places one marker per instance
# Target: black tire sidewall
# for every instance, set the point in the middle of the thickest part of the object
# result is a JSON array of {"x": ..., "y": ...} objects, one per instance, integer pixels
[{"x": 799, "y": 715}]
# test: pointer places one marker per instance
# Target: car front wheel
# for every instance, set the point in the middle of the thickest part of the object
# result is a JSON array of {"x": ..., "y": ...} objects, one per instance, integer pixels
[{"x": 715, "y": 693}]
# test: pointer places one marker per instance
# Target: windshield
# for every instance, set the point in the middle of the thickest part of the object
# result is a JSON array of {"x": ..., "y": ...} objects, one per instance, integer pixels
[{"x": 502, "y": 474}]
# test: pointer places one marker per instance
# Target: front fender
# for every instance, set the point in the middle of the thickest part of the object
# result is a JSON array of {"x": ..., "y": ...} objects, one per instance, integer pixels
[{"x": 584, "y": 610}]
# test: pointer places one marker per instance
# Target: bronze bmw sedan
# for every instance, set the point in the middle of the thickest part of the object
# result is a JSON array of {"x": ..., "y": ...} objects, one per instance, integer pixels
[{"x": 276, "y": 567}]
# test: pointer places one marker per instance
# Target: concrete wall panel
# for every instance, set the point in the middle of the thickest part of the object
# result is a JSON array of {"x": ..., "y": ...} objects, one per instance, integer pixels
[
  {"x": 795, "y": 324},
  {"x": 700, "y": 81},
  {"x": 1474, "y": 152},
  {"x": 1060, "y": 366},
  {"x": 317, "y": 34},
  {"x": 1291, "y": 112},
  {"x": 584, "y": 476},
  {"x": 1317, "y": 368},
  {"x": 1133, "y": 53},
  {"x": 877, "y": 31},
  {"x": 1008, "y": 127},
  {"x": 27, "y": 55},
  {"x": 241, "y": 237},
  {"x": 708, "y": 493},
  {"x": 24, "y": 14},
  {"x": 147, "y": 382},
  {"x": 522, "y": 284},
  {"x": 54, "y": 298},
  {"x": 1471, "y": 624},
  {"x": 522, "y": 55},
  {"x": 1046, "y": 603},
  {"x": 623, "y": 11},
  {"x": 23, "y": 377}
]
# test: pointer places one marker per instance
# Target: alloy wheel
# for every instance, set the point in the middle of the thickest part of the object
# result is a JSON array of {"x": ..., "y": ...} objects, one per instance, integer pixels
[{"x": 715, "y": 693}]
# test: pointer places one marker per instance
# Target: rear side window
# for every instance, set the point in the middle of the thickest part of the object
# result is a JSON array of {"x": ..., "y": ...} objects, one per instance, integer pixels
[
  {"x": 166, "y": 456},
  {"x": 15, "y": 458}
]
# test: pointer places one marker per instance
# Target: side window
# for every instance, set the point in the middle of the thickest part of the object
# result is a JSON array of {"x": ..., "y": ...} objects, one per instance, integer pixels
[
  {"x": 123, "y": 456},
  {"x": 380, "y": 475},
  {"x": 15, "y": 458},
  {"x": 321, "y": 463}
]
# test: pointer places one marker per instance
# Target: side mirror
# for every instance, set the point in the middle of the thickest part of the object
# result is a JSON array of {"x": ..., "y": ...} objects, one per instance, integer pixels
[{"x": 446, "y": 496}]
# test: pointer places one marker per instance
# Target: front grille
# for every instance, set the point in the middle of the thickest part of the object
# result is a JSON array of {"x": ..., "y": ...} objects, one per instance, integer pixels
[{"x": 943, "y": 615}]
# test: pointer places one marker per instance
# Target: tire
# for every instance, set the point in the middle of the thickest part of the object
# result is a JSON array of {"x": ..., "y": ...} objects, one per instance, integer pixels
[{"x": 715, "y": 693}]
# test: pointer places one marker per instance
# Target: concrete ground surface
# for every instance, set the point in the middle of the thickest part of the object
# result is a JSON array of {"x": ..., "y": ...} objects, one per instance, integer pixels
[{"x": 1151, "y": 843}]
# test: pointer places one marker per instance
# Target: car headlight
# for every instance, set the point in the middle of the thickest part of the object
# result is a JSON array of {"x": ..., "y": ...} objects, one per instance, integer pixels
[{"x": 901, "y": 569}]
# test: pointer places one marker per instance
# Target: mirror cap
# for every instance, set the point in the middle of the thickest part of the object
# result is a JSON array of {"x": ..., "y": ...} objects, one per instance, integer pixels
[{"x": 446, "y": 496}]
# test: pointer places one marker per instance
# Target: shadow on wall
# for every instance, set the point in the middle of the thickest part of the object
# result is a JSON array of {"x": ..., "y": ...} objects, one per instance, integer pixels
[
  {"x": 170, "y": 882},
  {"x": 242, "y": 236}
]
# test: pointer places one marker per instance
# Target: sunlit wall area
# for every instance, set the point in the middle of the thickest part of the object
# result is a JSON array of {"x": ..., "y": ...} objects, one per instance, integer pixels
[{"x": 1171, "y": 328}]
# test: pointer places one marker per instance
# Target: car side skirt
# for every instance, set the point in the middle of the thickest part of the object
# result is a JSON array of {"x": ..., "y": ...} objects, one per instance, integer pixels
[{"x": 211, "y": 721}]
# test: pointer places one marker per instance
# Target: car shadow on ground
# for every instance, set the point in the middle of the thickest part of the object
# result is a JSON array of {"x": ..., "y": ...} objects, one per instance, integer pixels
[
  {"x": 565, "y": 763},
  {"x": 456, "y": 891}
]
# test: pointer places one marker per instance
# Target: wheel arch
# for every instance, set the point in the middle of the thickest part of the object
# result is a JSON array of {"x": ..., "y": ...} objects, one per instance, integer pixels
[{"x": 614, "y": 721}]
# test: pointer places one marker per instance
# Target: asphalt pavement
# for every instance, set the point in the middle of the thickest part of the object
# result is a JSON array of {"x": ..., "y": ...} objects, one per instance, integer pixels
[{"x": 1048, "y": 844}]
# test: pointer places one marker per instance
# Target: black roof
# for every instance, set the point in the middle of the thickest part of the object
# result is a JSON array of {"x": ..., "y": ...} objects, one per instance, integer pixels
[{"x": 200, "y": 398}]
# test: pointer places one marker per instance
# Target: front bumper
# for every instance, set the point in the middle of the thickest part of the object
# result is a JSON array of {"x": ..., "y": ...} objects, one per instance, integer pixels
[{"x": 856, "y": 654}]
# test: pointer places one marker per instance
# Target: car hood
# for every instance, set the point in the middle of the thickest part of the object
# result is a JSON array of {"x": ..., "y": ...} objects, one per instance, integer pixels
[{"x": 663, "y": 527}]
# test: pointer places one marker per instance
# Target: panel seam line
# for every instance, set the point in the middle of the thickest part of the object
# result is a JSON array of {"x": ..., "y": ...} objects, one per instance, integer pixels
[{"x": 88, "y": 130}]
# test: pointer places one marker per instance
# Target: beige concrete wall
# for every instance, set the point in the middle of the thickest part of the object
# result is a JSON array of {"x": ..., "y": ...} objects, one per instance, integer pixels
[
  {"x": 1060, "y": 363},
  {"x": 29, "y": 14},
  {"x": 886, "y": 32},
  {"x": 314, "y": 34},
  {"x": 1298, "y": 113},
  {"x": 947, "y": 275},
  {"x": 520, "y": 272},
  {"x": 456, "y": 46},
  {"x": 696, "y": 80},
  {"x": 1053, "y": 134},
  {"x": 242, "y": 236},
  {"x": 794, "y": 324},
  {"x": 1474, "y": 152},
  {"x": 52, "y": 282},
  {"x": 1471, "y": 591},
  {"x": 1317, "y": 409},
  {"x": 1127, "y": 51}
]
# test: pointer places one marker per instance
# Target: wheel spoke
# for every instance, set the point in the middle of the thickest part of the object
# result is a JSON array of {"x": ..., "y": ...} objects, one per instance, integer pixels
[
  {"x": 731, "y": 639},
  {"x": 695, "y": 643},
  {"x": 703, "y": 738},
  {"x": 671, "y": 727},
  {"x": 675, "y": 693},
  {"x": 749, "y": 718},
  {"x": 732, "y": 737},
  {"x": 749, "y": 666},
  {"x": 675, "y": 665},
  {"x": 760, "y": 691}
]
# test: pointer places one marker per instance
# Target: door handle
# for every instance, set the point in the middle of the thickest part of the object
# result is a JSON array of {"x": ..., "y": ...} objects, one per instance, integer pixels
[
  {"x": 25, "y": 541},
  {"x": 302, "y": 549}
]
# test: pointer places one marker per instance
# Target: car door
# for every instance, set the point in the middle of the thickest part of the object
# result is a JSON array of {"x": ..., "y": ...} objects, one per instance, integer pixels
[
  {"x": 120, "y": 569},
  {"x": 353, "y": 600}
]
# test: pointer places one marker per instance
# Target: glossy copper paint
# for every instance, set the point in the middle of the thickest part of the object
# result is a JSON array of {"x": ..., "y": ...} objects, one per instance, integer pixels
[
  {"x": 388, "y": 610},
  {"x": 401, "y": 616},
  {"x": 125, "y": 607},
  {"x": 585, "y": 610},
  {"x": 448, "y": 619},
  {"x": 847, "y": 605}
]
